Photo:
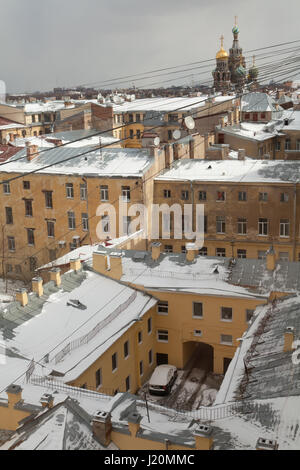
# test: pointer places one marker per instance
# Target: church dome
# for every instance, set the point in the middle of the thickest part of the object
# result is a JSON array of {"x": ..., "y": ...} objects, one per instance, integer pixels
[
  {"x": 235, "y": 30},
  {"x": 241, "y": 71},
  {"x": 222, "y": 54}
]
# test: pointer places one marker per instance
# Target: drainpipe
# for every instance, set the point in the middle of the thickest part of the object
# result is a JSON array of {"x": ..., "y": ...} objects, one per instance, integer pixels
[
  {"x": 294, "y": 228},
  {"x": 193, "y": 204}
]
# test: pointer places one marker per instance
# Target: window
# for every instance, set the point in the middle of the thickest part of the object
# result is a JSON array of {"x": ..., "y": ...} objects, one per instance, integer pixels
[
  {"x": 141, "y": 368},
  {"x": 263, "y": 197},
  {"x": 127, "y": 383},
  {"x": 30, "y": 236},
  {"x": 277, "y": 146},
  {"x": 226, "y": 313},
  {"x": 126, "y": 193},
  {"x": 226, "y": 339},
  {"x": 26, "y": 184},
  {"x": 130, "y": 117},
  {"x": 85, "y": 221},
  {"x": 50, "y": 229},
  {"x": 220, "y": 224},
  {"x": 198, "y": 309},
  {"x": 126, "y": 349},
  {"x": 247, "y": 115},
  {"x": 126, "y": 225},
  {"x": 203, "y": 251},
  {"x": 263, "y": 226},
  {"x": 11, "y": 243},
  {"x": 261, "y": 255},
  {"x": 137, "y": 118},
  {"x": 221, "y": 196},
  {"x": 149, "y": 325},
  {"x": 69, "y": 191},
  {"x": 18, "y": 268},
  {"x": 83, "y": 192},
  {"x": 140, "y": 337},
  {"x": 9, "y": 215},
  {"x": 202, "y": 195},
  {"x": 298, "y": 145},
  {"x": 249, "y": 315},
  {"x": 287, "y": 144},
  {"x": 167, "y": 193},
  {"x": 48, "y": 200},
  {"x": 242, "y": 196},
  {"x": 105, "y": 224},
  {"x": 184, "y": 195},
  {"x": 163, "y": 307},
  {"x": 131, "y": 134},
  {"x": 242, "y": 253},
  {"x": 162, "y": 336},
  {"x": 242, "y": 226},
  {"x": 283, "y": 256},
  {"x": 221, "y": 252},
  {"x": 114, "y": 362},
  {"x": 28, "y": 208},
  {"x": 284, "y": 197},
  {"x": 168, "y": 249},
  {"x": 71, "y": 220},
  {"x": 138, "y": 134},
  {"x": 98, "y": 376},
  {"x": 9, "y": 268},
  {"x": 104, "y": 193},
  {"x": 6, "y": 187},
  {"x": 32, "y": 263},
  {"x": 170, "y": 135},
  {"x": 262, "y": 115},
  {"x": 284, "y": 228},
  {"x": 197, "y": 333},
  {"x": 183, "y": 249}
]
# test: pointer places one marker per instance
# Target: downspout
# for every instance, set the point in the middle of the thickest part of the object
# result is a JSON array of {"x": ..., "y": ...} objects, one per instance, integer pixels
[{"x": 294, "y": 227}]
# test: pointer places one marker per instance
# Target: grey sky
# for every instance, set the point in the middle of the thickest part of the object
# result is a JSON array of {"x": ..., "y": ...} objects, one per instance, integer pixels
[{"x": 73, "y": 42}]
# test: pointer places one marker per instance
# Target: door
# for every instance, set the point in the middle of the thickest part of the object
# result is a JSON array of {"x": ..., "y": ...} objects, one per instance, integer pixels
[{"x": 162, "y": 359}]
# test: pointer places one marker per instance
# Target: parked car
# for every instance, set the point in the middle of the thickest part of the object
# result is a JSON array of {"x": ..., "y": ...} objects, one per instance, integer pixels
[{"x": 162, "y": 379}]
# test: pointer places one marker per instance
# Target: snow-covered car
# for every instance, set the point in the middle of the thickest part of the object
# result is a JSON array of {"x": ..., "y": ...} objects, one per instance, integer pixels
[{"x": 162, "y": 379}]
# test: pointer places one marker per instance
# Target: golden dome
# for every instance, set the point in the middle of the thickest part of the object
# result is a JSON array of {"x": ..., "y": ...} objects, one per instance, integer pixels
[{"x": 222, "y": 54}]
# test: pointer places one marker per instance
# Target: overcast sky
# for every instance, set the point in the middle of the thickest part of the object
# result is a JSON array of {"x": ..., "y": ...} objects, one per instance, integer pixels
[{"x": 74, "y": 42}]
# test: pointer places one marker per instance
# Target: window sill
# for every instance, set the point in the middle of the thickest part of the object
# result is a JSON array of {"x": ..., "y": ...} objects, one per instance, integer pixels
[
  {"x": 162, "y": 341},
  {"x": 196, "y": 317},
  {"x": 225, "y": 320},
  {"x": 226, "y": 344}
]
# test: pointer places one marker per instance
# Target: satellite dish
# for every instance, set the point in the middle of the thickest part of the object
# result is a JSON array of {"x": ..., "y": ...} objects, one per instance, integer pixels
[
  {"x": 156, "y": 141},
  {"x": 176, "y": 134},
  {"x": 189, "y": 122},
  {"x": 117, "y": 99}
]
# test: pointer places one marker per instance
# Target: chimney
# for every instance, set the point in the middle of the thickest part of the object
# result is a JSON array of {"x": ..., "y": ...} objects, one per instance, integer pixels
[
  {"x": 55, "y": 276},
  {"x": 47, "y": 401},
  {"x": 241, "y": 154},
  {"x": 37, "y": 286},
  {"x": 100, "y": 261},
  {"x": 288, "y": 339},
  {"x": 22, "y": 297},
  {"x": 102, "y": 427},
  {"x": 114, "y": 265},
  {"x": 14, "y": 394},
  {"x": 75, "y": 264},
  {"x": 266, "y": 444},
  {"x": 155, "y": 250},
  {"x": 191, "y": 251},
  {"x": 32, "y": 151},
  {"x": 271, "y": 259},
  {"x": 134, "y": 420},
  {"x": 203, "y": 437}
]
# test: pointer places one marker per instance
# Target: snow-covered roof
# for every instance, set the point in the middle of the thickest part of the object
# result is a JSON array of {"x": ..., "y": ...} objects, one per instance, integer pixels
[
  {"x": 259, "y": 102},
  {"x": 111, "y": 162},
  {"x": 248, "y": 171},
  {"x": 51, "y": 325}
]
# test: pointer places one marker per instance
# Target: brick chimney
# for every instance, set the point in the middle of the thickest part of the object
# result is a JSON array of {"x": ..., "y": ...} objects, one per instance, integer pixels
[
  {"x": 14, "y": 394},
  {"x": 191, "y": 251},
  {"x": 55, "y": 276},
  {"x": 203, "y": 437},
  {"x": 47, "y": 401},
  {"x": 37, "y": 286},
  {"x": 32, "y": 151},
  {"x": 75, "y": 264},
  {"x": 241, "y": 154},
  {"x": 155, "y": 250},
  {"x": 100, "y": 261},
  {"x": 271, "y": 259},
  {"x": 22, "y": 297},
  {"x": 114, "y": 265},
  {"x": 289, "y": 339},
  {"x": 102, "y": 427}
]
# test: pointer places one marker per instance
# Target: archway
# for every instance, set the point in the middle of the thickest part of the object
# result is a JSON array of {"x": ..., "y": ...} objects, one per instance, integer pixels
[{"x": 199, "y": 355}]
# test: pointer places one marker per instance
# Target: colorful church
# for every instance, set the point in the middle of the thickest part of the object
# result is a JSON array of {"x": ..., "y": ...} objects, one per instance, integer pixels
[{"x": 230, "y": 73}]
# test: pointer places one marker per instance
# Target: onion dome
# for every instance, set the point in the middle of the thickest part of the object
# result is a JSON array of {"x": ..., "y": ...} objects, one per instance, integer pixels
[
  {"x": 235, "y": 30},
  {"x": 241, "y": 71},
  {"x": 222, "y": 54},
  {"x": 253, "y": 71}
]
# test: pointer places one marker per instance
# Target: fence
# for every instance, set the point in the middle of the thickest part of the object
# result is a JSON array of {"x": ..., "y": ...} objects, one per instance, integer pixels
[{"x": 91, "y": 334}]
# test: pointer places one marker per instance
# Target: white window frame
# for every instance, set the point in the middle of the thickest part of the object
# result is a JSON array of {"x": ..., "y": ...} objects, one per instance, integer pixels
[
  {"x": 162, "y": 333},
  {"x": 69, "y": 190},
  {"x": 262, "y": 223},
  {"x": 229, "y": 320},
  {"x": 226, "y": 343},
  {"x": 165, "y": 306},
  {"x": 284, "y": 228},
  {"x": 104, "y": 194}
]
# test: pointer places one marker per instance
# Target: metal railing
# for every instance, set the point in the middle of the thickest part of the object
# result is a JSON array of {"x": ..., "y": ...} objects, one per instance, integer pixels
[{"x": 77, "y": 343}]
